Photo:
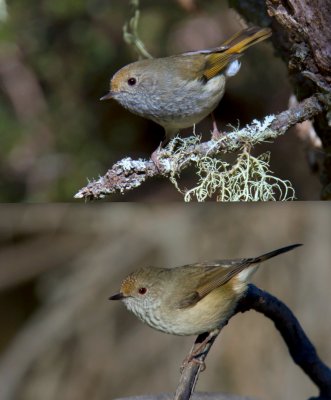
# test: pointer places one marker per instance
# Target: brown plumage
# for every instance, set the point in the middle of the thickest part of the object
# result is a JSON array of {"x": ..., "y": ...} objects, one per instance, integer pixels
[
  {"x": 179, "y": 91},
  {"x": 191, "y": 299}
]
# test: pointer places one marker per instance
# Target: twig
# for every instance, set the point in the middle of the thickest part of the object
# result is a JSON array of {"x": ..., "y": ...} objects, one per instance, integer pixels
[
  {"x": 130, "y": 32},
  {"x": 195, "y": 396},
  {"x": 128, "y": 174},
  {"x": 299, "y": 346},
  {"x": 191, "y": 371}
]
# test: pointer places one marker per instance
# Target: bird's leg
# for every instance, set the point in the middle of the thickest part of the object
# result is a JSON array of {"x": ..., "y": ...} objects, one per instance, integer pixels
[
  {"x": 197, "y": 350},
  {"x": 194, "y": 361},
  {"x": 216, "y": 133},
  {"x": 157, "y": 153},
  {"x": 155, "y": 157}
]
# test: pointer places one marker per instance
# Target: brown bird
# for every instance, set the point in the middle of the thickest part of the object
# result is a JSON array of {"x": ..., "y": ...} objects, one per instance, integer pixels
[
  {"x": 191, "y": 299},
  {"x": 179, "y": 91}
]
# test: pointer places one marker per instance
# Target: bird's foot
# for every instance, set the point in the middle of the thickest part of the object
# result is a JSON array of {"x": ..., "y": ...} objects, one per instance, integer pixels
[
  {"x": 216, "y": 134},
  {"x": 191, "y": 358},
  {"x": 155, "y": 157},
  {"x": 198, "y": 350}
]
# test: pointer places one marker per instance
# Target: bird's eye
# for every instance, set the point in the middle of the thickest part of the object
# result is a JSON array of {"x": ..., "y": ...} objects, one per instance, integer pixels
[
  {"x": 132, "y": 81},
  {"x": 142, "y": 290}
]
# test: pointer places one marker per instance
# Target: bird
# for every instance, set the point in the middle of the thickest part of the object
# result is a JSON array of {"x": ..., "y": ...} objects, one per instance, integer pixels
[
  {"x": 191, "y": 299},
  {"x": 179, "y": 91}
]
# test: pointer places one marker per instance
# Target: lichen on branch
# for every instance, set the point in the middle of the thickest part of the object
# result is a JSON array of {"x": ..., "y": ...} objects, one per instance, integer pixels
[
  {"x": 249, "y": 179},
  {"x": 128, "y": 174}
]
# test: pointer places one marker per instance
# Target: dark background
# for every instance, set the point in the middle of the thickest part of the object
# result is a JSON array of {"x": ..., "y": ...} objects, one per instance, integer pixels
[
  {"x": 56, "y": 59},
  {"x": 61, "y": 338}
]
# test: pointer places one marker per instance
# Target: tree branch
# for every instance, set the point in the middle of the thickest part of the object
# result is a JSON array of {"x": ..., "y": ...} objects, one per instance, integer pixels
[
  {"x": 128, "y": 174},
  {"x": 195, "y": 396},
  {"x": 301, "y": 36},
  {"x": 299, "y": 346}
]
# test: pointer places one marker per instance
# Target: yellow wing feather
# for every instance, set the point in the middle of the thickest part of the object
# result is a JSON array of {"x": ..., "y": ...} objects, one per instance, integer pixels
[{"x": 232, "y": 49}]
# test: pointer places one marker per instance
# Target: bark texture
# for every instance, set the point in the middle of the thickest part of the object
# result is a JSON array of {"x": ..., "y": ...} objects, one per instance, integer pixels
[{"x": 302, "y": 37}]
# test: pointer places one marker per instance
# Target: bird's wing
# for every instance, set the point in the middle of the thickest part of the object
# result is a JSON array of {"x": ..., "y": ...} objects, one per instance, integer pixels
[
  {"x": 220, "y": 276},
  {"x": 206, "y": 64},
  {"x": 217, "y": 59},
  {"x": 213, "y": 275},
  {"x": 218, "y": 273}
]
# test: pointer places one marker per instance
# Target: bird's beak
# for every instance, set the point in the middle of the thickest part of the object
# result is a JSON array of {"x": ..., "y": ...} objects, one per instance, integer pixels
[
  {"x": 107, "y": 96},
  {"x": 117, "y": 296}
]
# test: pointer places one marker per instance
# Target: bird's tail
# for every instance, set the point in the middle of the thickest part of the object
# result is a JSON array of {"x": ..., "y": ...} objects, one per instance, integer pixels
[
  {"x": 221, "y": 57},
  {"x": 245, "y": 268},
  {"x": 242, "y": 40},
  {"x": 263, "y": 257}
]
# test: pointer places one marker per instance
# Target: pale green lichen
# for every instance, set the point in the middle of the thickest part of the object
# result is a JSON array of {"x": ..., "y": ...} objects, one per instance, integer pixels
[
  {"x": 178, "y": 147},
  {"x": 255, "y": 132},
  {"x": 248, "y": 178}
]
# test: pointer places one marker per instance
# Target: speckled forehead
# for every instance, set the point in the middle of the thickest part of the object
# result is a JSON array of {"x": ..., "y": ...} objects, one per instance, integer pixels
[
  {"x": 117, "y": 81},
  {"x": 128, "y": 285}
]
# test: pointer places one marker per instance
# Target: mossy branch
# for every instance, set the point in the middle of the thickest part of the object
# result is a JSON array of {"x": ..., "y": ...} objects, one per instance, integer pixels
[
  {"x": 248, "y": 179},
  {"x": 128, "y": 174},
  {"x": 305, "y": 48}
]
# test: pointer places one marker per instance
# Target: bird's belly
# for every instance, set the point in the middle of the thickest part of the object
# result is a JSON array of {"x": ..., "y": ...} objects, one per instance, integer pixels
[
  {"x": 188, "y": 104},
  {"x": 206, "y": 315},
  {"x": 191, "y": 103}
]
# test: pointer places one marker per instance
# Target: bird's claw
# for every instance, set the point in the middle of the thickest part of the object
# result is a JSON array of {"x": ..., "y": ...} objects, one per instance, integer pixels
[
  {"x": 216, "y": 134},
  {"x": 155, "y": 157},
  {"x": 192, "y": 358}
]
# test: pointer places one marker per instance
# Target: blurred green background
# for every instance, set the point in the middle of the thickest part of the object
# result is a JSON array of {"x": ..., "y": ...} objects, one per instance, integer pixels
[
  {"x": 56, "y": 59},
  {"x": 62, "y": 339}
]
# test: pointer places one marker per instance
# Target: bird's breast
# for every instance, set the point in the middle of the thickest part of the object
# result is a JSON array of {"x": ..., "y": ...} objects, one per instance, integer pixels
[
  {"x": 173, "y": 102},
  {"x": 187, "y": 103},
  {"x": 206, "y": 315}
]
